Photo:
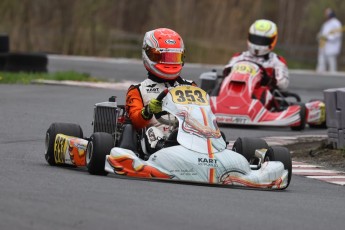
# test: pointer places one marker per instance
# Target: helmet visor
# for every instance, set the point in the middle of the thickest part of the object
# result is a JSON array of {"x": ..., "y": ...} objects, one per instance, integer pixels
[
  {"x": 260, "y": 40},
  {"x": 164, "y": 56}
]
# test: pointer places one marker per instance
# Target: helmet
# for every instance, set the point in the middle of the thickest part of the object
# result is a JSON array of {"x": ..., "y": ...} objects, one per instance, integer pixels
[
  {"x": 262, "y": 37},
  {"x": 163, "y": 53}
]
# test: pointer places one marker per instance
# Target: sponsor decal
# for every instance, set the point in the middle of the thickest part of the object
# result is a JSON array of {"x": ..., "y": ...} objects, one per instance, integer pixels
[
  {"x": 233, "y": 120},
  {"x": 227, "y": 177},
  {"x": 193, "y": 126},
  {"x": 151, "y": 135},
  {"x": 170, "y": 41},
  {"x": 152, "y": 88},
  {"x": 209, "y": 162},
  {"x": 70, "y": 150},
  {"x": 315, "y": 115},
  {"x": 184, "y": 172},
  {"x": 235, "y": 177}
]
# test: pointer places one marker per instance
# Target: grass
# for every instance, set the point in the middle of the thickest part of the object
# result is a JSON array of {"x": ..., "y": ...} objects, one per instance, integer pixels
[{"x": 26, "y": 78}]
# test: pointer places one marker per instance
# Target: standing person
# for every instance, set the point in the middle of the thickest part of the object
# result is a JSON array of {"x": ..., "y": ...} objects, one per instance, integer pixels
[
  {"x": 330, "y": 38},
  {"x": 163, "y": 57}
]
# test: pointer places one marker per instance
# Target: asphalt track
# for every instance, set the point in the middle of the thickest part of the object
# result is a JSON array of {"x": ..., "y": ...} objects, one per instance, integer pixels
[{"x": 34, "y": 195}]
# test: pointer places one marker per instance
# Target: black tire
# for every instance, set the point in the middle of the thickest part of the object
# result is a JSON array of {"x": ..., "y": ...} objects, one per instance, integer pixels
[
  {"x": 3, "y": 60},
  {"x": 26, "y": 62},
  {"x": 282, "y": 154},
  {"x": 4, "y": 43},
  {"x": 303, "y": 115},
  {"x": 54, "y": 129},
  {"x": 246, "y": 146},
  {"x": 99, "y": 146}
]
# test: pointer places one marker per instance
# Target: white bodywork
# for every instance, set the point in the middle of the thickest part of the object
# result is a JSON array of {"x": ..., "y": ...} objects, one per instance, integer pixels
[{"x": 201, "y": 156}]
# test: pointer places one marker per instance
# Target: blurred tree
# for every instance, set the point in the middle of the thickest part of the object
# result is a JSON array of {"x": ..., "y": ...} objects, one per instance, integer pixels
[{"x": 212, "y": 29}]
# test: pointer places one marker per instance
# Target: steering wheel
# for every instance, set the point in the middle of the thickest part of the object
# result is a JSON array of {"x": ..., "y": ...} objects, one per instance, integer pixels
[
  {"x": 158, "y": 116},
  {"x": 265, "y": 80}
]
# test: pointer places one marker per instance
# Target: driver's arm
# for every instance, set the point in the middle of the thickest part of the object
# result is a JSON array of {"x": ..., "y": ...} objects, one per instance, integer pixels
[
  {"x": 134, "y": 105},
  {"x": 281, "y": 74}
]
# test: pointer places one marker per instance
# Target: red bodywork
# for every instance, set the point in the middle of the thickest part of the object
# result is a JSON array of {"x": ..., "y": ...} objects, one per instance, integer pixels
[{"x": 242, "y": 100}]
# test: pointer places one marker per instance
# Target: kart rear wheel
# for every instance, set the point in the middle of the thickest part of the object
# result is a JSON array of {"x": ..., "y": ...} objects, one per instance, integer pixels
[
  {"x": 282, "y": 154},
  {"x": 99, "y": 146},
  {"x": 54, "y": 129},
  {"x": 303, "y": 116},
  {"x": 246, "y": 146}
]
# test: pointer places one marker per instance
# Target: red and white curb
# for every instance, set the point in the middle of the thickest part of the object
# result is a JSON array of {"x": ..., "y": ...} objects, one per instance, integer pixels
[{"x": 318, "y": 173}]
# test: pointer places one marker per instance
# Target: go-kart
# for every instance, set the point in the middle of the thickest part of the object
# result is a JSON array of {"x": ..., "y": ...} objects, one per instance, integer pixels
[
  {"x": 195, "y": 151},
  {"x": 242, "y": 98}
]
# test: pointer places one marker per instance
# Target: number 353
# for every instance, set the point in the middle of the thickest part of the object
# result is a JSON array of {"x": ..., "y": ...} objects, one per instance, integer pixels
[{"x": 189, "y": 95}]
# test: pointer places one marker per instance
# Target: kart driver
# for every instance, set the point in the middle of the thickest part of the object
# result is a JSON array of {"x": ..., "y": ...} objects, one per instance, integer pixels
[
  {"x": 163, "y": 57},
  {"x": 262, "y": 39}
]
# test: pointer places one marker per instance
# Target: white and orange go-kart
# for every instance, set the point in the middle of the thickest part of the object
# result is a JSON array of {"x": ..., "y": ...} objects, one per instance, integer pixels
[{"x": 195, "y": 151}]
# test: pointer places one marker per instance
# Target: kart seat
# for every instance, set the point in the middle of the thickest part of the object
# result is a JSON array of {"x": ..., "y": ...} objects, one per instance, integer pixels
[{"x": 128, "y": 139}]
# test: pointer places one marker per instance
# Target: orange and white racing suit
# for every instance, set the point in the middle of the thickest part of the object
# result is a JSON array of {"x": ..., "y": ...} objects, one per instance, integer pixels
[
  {"x": 138, "y": 96},
  {"x": 274, "y": 65}
]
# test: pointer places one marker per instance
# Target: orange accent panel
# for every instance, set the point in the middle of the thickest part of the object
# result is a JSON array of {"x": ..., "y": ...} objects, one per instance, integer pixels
[
  {"x": 78, "y": 156},
  {"x": 212, "y": 175},
  {"x": 124, "y": 166},
  {"x": 209, "y": 148},
  {"x": 234, "y": 179}
]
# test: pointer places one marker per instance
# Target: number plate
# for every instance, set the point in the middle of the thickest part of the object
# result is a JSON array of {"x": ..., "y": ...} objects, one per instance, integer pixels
[
  {"x": 245, "y": 68},
  {"x": 189, "y": 95}
]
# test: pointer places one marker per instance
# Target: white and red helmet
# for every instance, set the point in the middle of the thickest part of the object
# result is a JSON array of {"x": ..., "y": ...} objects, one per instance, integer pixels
[
  {"x": 262, "y": 37},
  {"x": 163, "y": 53}
]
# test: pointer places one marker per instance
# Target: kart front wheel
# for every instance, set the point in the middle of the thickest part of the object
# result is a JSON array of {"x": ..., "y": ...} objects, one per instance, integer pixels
[
  {"x": 99, "y": 146},
  {"x": 246, "y": 146},
  {"x": 68, "y": 129},
  {"x": 282, "y": 154}
]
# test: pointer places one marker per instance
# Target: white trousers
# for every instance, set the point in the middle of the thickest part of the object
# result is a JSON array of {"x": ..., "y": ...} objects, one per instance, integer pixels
[{"x": 324, "y": 61}]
